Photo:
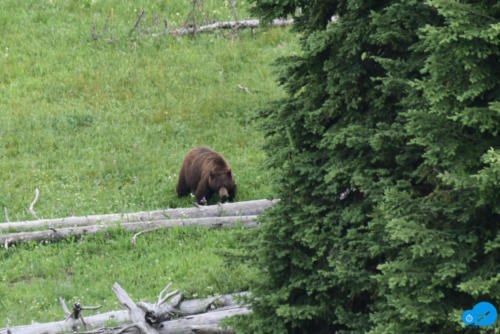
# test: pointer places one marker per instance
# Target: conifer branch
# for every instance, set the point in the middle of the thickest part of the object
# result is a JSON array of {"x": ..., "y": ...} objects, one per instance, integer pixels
[{"x": 464, "y": 8}]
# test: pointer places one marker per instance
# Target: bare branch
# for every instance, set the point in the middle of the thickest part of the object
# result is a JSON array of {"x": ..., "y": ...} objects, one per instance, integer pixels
[
  {"x": 167, "y": 296},
  {"x": 160, "y": 296},
  {"x": 192, "y": 15},
  {"x": 6, "y": 215},
  {"x": 235, "y": 18},
  {"x": 244, "y": 88},
  {"x": 195, "y": 4},
  {"x": 32, "y": 211},
  {"x": 95, "y": 35},
  {"x": 67, "y": 313},
  {"x": 137, "y": 23},
  {"x": 142, "y": 232}
]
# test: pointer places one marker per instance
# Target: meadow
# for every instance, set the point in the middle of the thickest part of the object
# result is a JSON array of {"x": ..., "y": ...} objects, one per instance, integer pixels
[{"x": 98, "y": 117}]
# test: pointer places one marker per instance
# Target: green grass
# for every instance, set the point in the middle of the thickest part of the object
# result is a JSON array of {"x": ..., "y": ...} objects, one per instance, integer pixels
[
  {"x": 99, "y": 128},
  {"x": 102, "y": 127},
  {"x": 84, "y": 271}
]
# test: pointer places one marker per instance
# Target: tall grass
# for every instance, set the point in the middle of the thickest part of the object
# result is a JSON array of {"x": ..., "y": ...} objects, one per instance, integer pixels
[{"x": 101, "y": 124}]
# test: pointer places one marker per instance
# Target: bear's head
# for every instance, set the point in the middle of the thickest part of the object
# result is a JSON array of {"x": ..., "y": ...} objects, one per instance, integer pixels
[{"x": 221, "y": 182}]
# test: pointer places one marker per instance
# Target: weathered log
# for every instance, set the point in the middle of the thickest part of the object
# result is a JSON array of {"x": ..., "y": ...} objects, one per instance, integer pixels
[
  {"x": 247, "y": 208},
  {"x": 63, "y": 233},
  {"x": 225, "y": 25},
  {"x": 196, "y": 306},
  {"x": 201, "y": 323},
  {"x": 199, "y": 318},
  {"x": 98, "y": 320},
  {"x": 136, "y": 314},
  {"x": 194, "y": 324},
  {"x": 230, "y": 25}
]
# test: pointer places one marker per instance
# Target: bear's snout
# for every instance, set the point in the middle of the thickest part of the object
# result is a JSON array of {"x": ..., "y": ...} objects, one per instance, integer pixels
[{"x": 223, "y": 194}]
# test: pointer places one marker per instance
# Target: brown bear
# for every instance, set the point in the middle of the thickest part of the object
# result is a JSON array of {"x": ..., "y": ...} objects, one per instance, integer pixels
[{"x": 205, "y": 172}]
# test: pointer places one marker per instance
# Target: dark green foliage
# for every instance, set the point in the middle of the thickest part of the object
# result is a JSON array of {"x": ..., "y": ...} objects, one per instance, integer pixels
[
  {"x": 388, "y": 168},
  {"x": 445, "y": 225}
]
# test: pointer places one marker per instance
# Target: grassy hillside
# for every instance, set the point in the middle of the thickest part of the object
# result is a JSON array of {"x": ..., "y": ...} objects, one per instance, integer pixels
[
  {"x": 34, "y": 276},
  {"x": 102, "y": 125}
]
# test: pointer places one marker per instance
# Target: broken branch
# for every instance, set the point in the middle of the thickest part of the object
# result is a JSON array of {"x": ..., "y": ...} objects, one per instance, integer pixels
[
  {"x": 32, "y": 211},
  {"x": 6, "y": 215},
  {"x": 137, "y": 23}
]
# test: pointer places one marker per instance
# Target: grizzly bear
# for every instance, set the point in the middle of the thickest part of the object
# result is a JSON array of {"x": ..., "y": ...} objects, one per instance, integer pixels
[{"x": 205, "y": 172}]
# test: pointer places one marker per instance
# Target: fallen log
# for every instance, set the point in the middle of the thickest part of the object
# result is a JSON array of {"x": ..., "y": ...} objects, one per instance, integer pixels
[
  {"x": 200, "y": 316},
  {"x": 202, "y": 323},
  {"x": 246, "y": 208},
  {"x": 98, "y": 320},
  {"x": 53, "y": 234},
  {"x": 224, "y": 25}
]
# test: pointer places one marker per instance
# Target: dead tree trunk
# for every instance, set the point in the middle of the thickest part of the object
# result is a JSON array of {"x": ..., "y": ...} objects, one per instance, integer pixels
[
  {"x": 59, "y": 234},
  {"x": 225, "y": 25},
  {"x": 247, "y": 208}
]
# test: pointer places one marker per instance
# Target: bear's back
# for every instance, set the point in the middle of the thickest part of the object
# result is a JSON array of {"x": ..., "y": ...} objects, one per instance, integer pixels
[{"x": 205, "y": 157}]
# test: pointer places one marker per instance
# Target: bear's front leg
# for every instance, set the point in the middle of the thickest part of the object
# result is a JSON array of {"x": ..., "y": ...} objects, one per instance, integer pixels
[
  {"x": 202, "y": 193},
  {"x": 232, "y": 193}
]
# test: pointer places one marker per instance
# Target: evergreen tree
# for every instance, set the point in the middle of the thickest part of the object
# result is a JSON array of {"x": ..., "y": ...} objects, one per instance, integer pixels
[
  {"x": 339, "y": 142},
  {"x": 388, "y": 169},
  {"x": 444, "y": 224}
]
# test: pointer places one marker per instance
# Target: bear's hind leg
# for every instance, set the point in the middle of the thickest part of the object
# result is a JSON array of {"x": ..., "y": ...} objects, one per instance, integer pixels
[{"x": 182, "y": 187}]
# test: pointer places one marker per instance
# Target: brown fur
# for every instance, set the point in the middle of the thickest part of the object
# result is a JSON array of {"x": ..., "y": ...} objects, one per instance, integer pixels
[{"x": 205, "y": 172}]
